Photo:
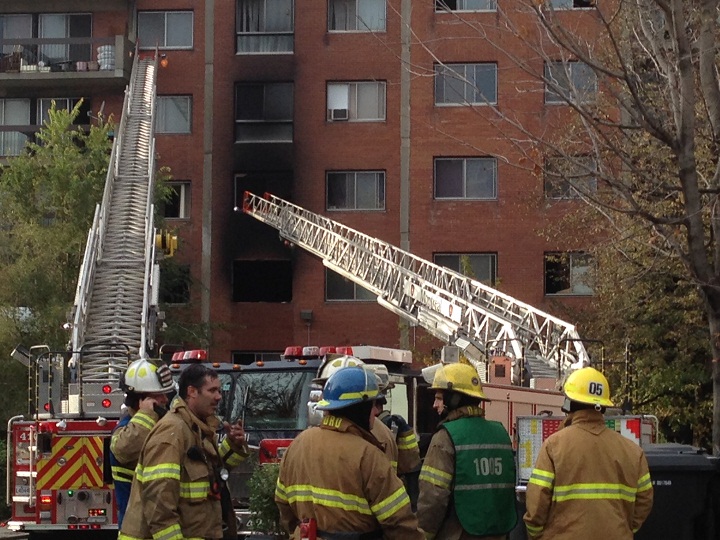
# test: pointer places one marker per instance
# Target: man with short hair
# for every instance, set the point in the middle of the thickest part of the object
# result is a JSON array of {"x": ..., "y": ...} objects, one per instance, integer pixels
[{"x": 176, "y": 493}]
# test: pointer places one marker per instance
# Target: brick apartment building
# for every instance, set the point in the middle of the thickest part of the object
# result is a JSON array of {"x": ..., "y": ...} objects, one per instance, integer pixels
[{"x": 357, "y": 109}]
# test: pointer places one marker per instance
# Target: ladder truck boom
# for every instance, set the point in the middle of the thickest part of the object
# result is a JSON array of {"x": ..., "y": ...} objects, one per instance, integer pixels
[{"x": 452, "y": 307}]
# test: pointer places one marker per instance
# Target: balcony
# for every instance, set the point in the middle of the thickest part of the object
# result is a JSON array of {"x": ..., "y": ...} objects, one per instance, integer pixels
[{"x": 54, "y": 65}]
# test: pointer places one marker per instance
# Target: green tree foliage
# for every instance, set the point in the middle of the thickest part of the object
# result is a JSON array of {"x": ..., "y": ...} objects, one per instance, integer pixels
[
  {"x": 264, "y": 511},
  {"x": 47, "y": 202}
]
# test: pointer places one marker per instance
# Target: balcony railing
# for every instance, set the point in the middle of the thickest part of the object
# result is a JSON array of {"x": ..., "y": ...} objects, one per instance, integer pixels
[{"x": 54, "y": 55}]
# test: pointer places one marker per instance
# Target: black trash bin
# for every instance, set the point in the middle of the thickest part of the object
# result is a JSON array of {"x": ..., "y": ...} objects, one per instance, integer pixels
[{"x": 685, "y": 483}]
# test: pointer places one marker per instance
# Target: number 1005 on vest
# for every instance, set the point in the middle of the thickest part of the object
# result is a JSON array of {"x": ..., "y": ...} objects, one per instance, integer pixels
[{"x": 488, "y": 466}]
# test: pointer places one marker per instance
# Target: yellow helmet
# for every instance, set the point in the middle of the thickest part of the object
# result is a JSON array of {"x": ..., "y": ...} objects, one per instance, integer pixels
[
  {"x": 588, "y": 385},
  {"x": 460, "y": 378}
]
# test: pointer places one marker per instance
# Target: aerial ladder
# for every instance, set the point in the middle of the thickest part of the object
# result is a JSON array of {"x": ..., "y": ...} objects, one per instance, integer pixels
[
  {"x": 452, "y": 307},
  {"x": 58, "y": 474}
]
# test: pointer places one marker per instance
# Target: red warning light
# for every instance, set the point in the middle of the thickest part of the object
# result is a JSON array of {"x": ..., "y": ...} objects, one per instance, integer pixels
[
  {"x": 106, "y": 389},
  {"x": 46, "y": 407},
  {"x": 106, "y": 403}
]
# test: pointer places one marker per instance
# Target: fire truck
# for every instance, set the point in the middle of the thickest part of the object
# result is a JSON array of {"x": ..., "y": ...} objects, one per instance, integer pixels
[{"x": 58, "y": 473}]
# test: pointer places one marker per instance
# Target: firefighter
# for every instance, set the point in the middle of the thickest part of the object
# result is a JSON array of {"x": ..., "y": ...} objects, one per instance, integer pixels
[
  {"x": 467, "y": 481},
  {"x": 336, "y": 477},
  {"x": 147, "y": 385},
  {"x": 379, "y": 430},
  {"x": 589, "y": 482},
  {"x": 179, "y": 479}
]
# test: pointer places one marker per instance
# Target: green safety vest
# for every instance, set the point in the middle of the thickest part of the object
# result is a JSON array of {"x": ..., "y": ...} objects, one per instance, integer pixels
[{"x": 484, "y": 489}]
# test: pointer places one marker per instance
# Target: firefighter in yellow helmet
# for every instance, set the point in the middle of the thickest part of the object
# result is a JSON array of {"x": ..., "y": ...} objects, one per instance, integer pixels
[
  {"x": 467, "y": 480},
  {"x": 589, "y": 482},
  {"x": 336, "y": 477}
]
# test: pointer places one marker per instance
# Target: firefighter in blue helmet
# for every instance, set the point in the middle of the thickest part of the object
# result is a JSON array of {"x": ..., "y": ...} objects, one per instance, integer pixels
[
  {"x": 335, "y": 476},
  {"x": 467, "y": 480}
]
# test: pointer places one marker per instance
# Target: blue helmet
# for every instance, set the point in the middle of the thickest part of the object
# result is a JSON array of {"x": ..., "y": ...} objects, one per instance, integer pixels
[{"x": 348, "y": 386}]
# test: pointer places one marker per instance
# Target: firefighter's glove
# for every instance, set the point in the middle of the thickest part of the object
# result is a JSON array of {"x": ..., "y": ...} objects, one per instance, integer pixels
[{"x": 401, "y": 423}]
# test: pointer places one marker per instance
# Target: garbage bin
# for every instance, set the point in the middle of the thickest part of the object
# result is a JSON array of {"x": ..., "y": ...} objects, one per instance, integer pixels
[{"x": 685, "y": 483}]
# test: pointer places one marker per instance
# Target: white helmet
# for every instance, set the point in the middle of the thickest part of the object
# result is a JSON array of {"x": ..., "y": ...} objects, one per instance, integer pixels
[
  {"x": 334, "y": 363},
  {"x": 146, "y": 377}
]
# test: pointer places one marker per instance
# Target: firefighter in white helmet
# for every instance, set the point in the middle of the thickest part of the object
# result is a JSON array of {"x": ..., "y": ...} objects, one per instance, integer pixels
[
  {"x": 147, "y": 385},
  {"x": 467, "y": 480},
  {"x": 589, "y": 482}
]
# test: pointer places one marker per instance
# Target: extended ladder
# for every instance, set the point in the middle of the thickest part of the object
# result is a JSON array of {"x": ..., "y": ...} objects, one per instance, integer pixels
[
  {"x": 449, "y": 305},
  {"x": 116, "y": 297}
]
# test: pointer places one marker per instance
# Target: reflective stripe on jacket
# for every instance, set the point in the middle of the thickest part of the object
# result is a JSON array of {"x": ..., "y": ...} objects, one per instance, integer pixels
[
  {"x": 408, "y": 456},
  {"x": 173, "y": 494},
  {"x": 337, "y": 475},
  {"x": 436, "y": 505},
  {"x": 126, "y": 443},
  {"x": 588, "y": 482}
]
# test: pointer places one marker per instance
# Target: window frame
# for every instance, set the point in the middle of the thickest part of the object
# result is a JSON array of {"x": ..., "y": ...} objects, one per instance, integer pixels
[
  {"x": 357, "y": 294},
  {"x": 165, "y": 13},
  {"x": 13, "y": 139},
  {"x": 260, "y": 119},
  {"x": 263, "y": 33},
  {"x": 571, "y": 270},
  {"x": 366, "y": 29},
  {"x": 442, "y": 6},
  {"x": 464, "y": 180},
  {"x": 591, "y": 4},
  {"x": 333, "y": 96},
  {"x": 184, "y": 203},
  {"x": 161, "y": 99},
  {"x": 552, "y": 97},
  {"x": 379, "y": 188},
  {"x": 469, "y": 86},
  {"x": 560, "y": 188},
  {"x": 492, "y": 263}
]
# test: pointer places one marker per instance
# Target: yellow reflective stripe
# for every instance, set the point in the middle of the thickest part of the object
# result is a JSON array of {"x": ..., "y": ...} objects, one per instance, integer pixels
[
  {"x": 122, "y": 474},
  {"x": 407, "y": 442},
  {"x": 280, "y": 491},
  {"x": 330, "y": 498},
  {"x": 143, "y": 419},
  {"x": 394, "y": 464},
  {"x": 542, "y": 478},
  {"x": 173, "y": 532},
  {"x": 122, "y": 536},
  {"x": 229, "y": 456},
  {"x": 534, "y": 529},
  {"x": 194, "y": 490},
  {"x": 391, "y": 505},
  {"x": 594, "y": 491},
  {"x": 436, "y": 477},
  {"x": 359, "y": 395},
  {"x": 644, "y": 483},
  {"x": 156, "y": 472}
]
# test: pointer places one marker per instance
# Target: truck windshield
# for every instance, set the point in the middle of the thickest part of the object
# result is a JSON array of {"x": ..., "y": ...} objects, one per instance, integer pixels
[{"x": 271, "y": 400}]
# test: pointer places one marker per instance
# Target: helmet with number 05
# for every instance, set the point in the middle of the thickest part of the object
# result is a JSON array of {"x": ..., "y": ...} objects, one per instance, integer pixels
[
  {"x": 147, "y": 377},
  {"x": 348, "y": 386},
  {"x": 588, "y": 385}
]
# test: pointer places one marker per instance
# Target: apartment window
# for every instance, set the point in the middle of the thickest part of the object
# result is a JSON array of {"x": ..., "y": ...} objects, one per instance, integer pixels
[
  {"x": 339, "y": 288},
  {"x": 262, "y": 281},
  {"x": 356, "y": 190},
  {"x": 574, "y": 82},
  {"x": 177, "y": 204},
  {"x": 481, "y": 267},
  {"x": 172, "y": 114},
  {"x": 264, "y": 26},
  {"x": 264, "y": 112},
  {"x": 13, "y": 112},
  {"x": 63, "y": 104},
  {"x": 15, "y": 27},
  {"x": 356, "y": 101},
  {"x": 568, "y": 273},
  {"x": 570, "y": 177},
  {"x": 466, "y": 84},
  {"x": 165, "y": 29},
  {"x": 572, "y": 4},
  {"x": 356, "y": 15},
  {"x": 175, "y": 284},
  {"x": 465, "y": 5},
  {"x": 466, "y": 178}
]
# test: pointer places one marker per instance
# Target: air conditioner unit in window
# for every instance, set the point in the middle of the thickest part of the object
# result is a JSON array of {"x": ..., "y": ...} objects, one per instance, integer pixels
[{"x": 338, "y": 114}]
